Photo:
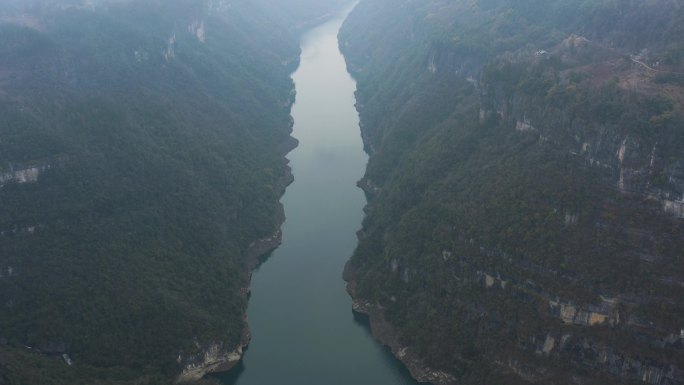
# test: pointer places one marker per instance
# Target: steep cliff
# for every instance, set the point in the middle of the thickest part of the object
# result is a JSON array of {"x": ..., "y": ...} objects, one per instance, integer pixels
[
  {"x": 525, "y": 184},
  {"x": 142, "y": 159}
]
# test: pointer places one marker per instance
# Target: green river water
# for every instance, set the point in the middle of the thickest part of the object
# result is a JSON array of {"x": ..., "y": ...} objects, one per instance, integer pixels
[{"x": 303, "y": 328}]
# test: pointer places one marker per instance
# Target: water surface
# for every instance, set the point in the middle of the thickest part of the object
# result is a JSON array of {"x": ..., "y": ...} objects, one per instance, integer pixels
[{"x": 303, "y": 329}]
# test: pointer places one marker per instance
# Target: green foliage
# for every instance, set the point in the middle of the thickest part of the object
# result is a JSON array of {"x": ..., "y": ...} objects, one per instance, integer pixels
[
  {"x": 161, "y": 157},
  {"x": 493, "y": 157}
]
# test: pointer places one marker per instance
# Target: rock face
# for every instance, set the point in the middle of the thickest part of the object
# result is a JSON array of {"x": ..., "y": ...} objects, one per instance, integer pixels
[
  {"x": 525, "y": 214},
  {"x": 23, "y": 174},
  {"x": 214, "y": 358},
  {"x": 134, "y": 181}
]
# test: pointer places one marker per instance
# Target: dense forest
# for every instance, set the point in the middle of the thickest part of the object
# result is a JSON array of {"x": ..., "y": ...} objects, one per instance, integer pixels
[
  {"x": 142, "y": 159},
  {"x": 526, "y": 187}
]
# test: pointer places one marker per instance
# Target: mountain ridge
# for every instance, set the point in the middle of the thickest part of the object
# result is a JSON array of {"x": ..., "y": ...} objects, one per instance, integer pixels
[
  {"x": 523, "y": 221},
  {"x": 142, "y": 163}
]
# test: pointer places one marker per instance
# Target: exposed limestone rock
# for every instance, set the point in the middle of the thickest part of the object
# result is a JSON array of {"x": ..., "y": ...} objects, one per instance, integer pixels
[
  {"x": 29, "y": 230},
  {"x": 214, "y": 358},
  {"x": 571, "y": 219},
  {"x": 625, "y": 366},
  {"x": 23, "y": 175},
  {"x": 524, "y": 125},
  {"x": 446, "y": 254},
  {"x": 197, "y": 29},
  {"x": 492, "y": 281},
  {"x": 523, "y": 371},
  {"x": 574, "y": 315},
  {"x": 597, "y": 319},
  {"x": 489, "y": 280},
  {"x": 431, "y": 66},
  {"x": 568, "y": 313},
  {"x": 621, "y": 152},
  {"x": 674, "y": 207},
  {"x": 169, "y": 53}
]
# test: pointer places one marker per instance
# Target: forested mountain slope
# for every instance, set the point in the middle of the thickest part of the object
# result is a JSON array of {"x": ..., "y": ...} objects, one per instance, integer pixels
[
  {"x": 526, "y": 185},
  {"x": 141, "y": 161}
]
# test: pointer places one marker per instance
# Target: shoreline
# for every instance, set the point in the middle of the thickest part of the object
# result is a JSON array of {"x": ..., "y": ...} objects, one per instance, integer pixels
[
  {"x": 256, "y": 254},
  {"x": 217, "y": 358},
  {"x": 381, "y": 329},
  {"x": 259, "y": 250},
  {"x": 383, "y": 332}
]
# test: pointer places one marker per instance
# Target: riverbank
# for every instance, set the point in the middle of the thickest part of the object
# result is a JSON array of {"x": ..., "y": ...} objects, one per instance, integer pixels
[
  {"x": 299, "y": 313},
  {"x": 384, "y": 332},
  {"x": 381, "y": 329},
  {"x": 216, "y": 357}
]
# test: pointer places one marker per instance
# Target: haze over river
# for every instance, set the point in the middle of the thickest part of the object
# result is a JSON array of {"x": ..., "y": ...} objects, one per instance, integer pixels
[{"x": 303, "y": 328}]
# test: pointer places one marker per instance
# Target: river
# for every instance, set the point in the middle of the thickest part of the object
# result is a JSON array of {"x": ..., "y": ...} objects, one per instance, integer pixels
[{"x": 303, "y": 328}]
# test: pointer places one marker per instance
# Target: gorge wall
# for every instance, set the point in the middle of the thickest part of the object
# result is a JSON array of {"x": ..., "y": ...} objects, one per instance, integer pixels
[
  {"x": 141, "y": 164},
  {"x": 526, "y": 187}
]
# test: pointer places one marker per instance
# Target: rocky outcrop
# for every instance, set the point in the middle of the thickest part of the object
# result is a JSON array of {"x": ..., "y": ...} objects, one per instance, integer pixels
[
  {"x": 634, "y": 162},
  {"x": 23, "y": 174},
  {"x": 29, "y": 172},
  {"x": 196, "y": 28},
  {"x": 212, "y": 358},
  {"x": 170, "y": 51}
]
